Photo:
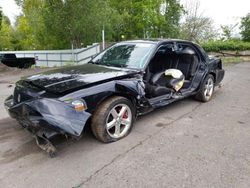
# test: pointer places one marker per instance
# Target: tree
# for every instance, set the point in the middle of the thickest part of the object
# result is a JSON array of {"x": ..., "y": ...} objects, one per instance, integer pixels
[
  {"x": 1, "y": 16},
  {"x": 19, "y": 2},
  {"x": 197, "y": 27},
  {"x": 58, "y": 24},
  {"x": 227, "y": 31},
  {"x": 6, "y": 33},
  {"x": 74, "y": 22},
  {"x": 24, "y": 37},
  {"x": 171, "y": 26},
  {"x": 133, "y": 17},
  {"x": 245, "y": 28},
  {"x": 30, "y": 31},
  {"x": 148, "y": 18}
]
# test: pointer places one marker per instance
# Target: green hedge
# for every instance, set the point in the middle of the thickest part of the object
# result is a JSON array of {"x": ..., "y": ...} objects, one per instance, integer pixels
[{"x": 217, "y": 46}]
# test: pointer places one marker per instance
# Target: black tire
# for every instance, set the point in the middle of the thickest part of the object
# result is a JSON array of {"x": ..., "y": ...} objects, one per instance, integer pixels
[
  {"x": 103, "y": 112},
  {"x": 201, "y": 95},
  {"x": 27, "y": 66}
]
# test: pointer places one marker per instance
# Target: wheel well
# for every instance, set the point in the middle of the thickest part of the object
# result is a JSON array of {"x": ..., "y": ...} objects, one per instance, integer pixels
[
  {"x": 214, "y": 75},
  {"x": 211, "y": 73},
  {"x": 132, "y": 99}
]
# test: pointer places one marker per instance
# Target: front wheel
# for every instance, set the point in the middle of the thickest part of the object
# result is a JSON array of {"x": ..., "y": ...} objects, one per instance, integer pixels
[
  {"x": 207, "y": 89},
  {"x": 113, "y": 120}
]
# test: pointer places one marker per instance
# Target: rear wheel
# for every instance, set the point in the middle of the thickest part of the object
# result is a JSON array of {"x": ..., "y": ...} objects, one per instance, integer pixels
[
  {"x": 113, "y": 120},
  {"x": 207, "y": 89}
]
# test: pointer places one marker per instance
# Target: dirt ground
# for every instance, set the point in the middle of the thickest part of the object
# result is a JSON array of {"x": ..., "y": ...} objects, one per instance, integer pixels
[
  {"x": 11, "y": 75},
  {"x": 186, "y": 144}
]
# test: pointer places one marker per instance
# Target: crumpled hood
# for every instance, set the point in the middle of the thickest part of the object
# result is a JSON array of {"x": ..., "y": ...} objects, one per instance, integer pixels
[{"x": 76, "y": 77}]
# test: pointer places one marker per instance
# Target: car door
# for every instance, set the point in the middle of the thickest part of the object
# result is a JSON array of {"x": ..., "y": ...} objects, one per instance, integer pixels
[
  {"x": 195, "y": 65},
  {"x": 158, "y": 63}
]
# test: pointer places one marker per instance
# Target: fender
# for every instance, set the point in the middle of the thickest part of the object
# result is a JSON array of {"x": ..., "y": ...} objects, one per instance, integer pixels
[{"x": 94, "y": 96}]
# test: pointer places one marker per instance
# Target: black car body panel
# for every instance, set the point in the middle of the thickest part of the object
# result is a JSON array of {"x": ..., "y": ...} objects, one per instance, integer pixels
[
  {"x": 215, "y": 67},
  {"x": 50, "y": 114},
  {"x": 72, "y": 78},
  {"x": 43, "y": 102}
]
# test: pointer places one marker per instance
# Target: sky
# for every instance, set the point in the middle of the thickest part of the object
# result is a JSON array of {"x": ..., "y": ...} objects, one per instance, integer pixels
[
  {"x": 223, "y": 12},
  {"x": 10, "y": 9}
]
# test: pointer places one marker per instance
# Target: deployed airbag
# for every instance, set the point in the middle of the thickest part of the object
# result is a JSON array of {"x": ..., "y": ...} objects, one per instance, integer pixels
[{"x": 175, "y": 79}]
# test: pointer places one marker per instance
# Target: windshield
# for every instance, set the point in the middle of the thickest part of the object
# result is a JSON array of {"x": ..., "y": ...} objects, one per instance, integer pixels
[{"x": 129, "y": 55}]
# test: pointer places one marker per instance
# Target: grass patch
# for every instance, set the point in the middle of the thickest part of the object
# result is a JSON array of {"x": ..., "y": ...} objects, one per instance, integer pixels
[
  {"x": 230, "y": 45},
  {"x": 69, "y": 63},
  {"x": 235, "y": 59}
]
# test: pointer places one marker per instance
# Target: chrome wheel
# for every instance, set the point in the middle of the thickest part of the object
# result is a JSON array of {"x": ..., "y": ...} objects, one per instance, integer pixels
[
  {"x": 209, "y": 88},
  {"x": 119, "y": 121}
]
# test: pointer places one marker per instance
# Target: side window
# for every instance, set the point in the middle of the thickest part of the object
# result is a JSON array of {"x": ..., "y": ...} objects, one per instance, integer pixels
[
  {"x": 161, "y": 59},
  {"x": 189, "y": 60},
  {"x": 186, "y": 49},
  {"x": 167, "y": 48}
]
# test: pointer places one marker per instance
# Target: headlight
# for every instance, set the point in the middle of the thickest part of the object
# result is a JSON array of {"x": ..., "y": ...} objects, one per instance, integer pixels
[{"x": 79, "y": 105}]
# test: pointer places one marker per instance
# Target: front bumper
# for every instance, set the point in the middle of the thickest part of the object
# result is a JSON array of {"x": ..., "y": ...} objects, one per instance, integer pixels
[{"x": 48, "y": 117}]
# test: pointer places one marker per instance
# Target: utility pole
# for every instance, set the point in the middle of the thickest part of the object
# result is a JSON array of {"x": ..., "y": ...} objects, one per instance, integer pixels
[
  {"x": 103, "y": 38},
  {"x": 72, "y": 50}
]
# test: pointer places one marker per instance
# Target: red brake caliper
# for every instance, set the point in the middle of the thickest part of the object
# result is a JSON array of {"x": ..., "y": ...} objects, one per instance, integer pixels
[{"x": 125, "y": 116}]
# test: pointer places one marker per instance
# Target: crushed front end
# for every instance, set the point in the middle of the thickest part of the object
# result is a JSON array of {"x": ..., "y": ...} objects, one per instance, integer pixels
[{"x": 45, "y": 117}]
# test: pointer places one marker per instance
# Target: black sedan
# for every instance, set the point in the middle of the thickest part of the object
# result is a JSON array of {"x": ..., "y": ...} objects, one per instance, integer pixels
[{"x": 126, "y": 80}]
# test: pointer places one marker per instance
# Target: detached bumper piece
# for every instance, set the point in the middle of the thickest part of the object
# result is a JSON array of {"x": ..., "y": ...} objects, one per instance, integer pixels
[
  {"x": 46, "y": 145},
  {"x": 47, "y": 118}
]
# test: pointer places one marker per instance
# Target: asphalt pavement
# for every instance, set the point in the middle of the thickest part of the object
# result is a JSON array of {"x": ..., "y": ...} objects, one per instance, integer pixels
[{"x": 186, "y": 144}]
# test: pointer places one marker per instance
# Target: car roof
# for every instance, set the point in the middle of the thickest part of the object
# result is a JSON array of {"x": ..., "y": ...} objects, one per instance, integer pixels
[{"x": 156, "y": 41}]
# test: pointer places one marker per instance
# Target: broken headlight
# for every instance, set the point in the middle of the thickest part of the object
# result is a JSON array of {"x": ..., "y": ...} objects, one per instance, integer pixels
[{"x": 77, "y": 104}]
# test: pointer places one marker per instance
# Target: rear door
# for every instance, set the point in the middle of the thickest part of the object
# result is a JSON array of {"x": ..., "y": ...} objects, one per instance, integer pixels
[{"x": 192, "y": 64}]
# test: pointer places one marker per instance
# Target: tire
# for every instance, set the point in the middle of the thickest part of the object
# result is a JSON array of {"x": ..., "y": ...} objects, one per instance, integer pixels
[
  {"x": 207, "y": 89},
  {"x": 113, "y": 119},
  {"x": 27, "y": 65}
]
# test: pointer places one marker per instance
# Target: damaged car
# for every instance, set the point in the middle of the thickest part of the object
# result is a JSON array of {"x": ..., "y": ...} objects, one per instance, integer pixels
[{"x": 128, "y": 79}]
